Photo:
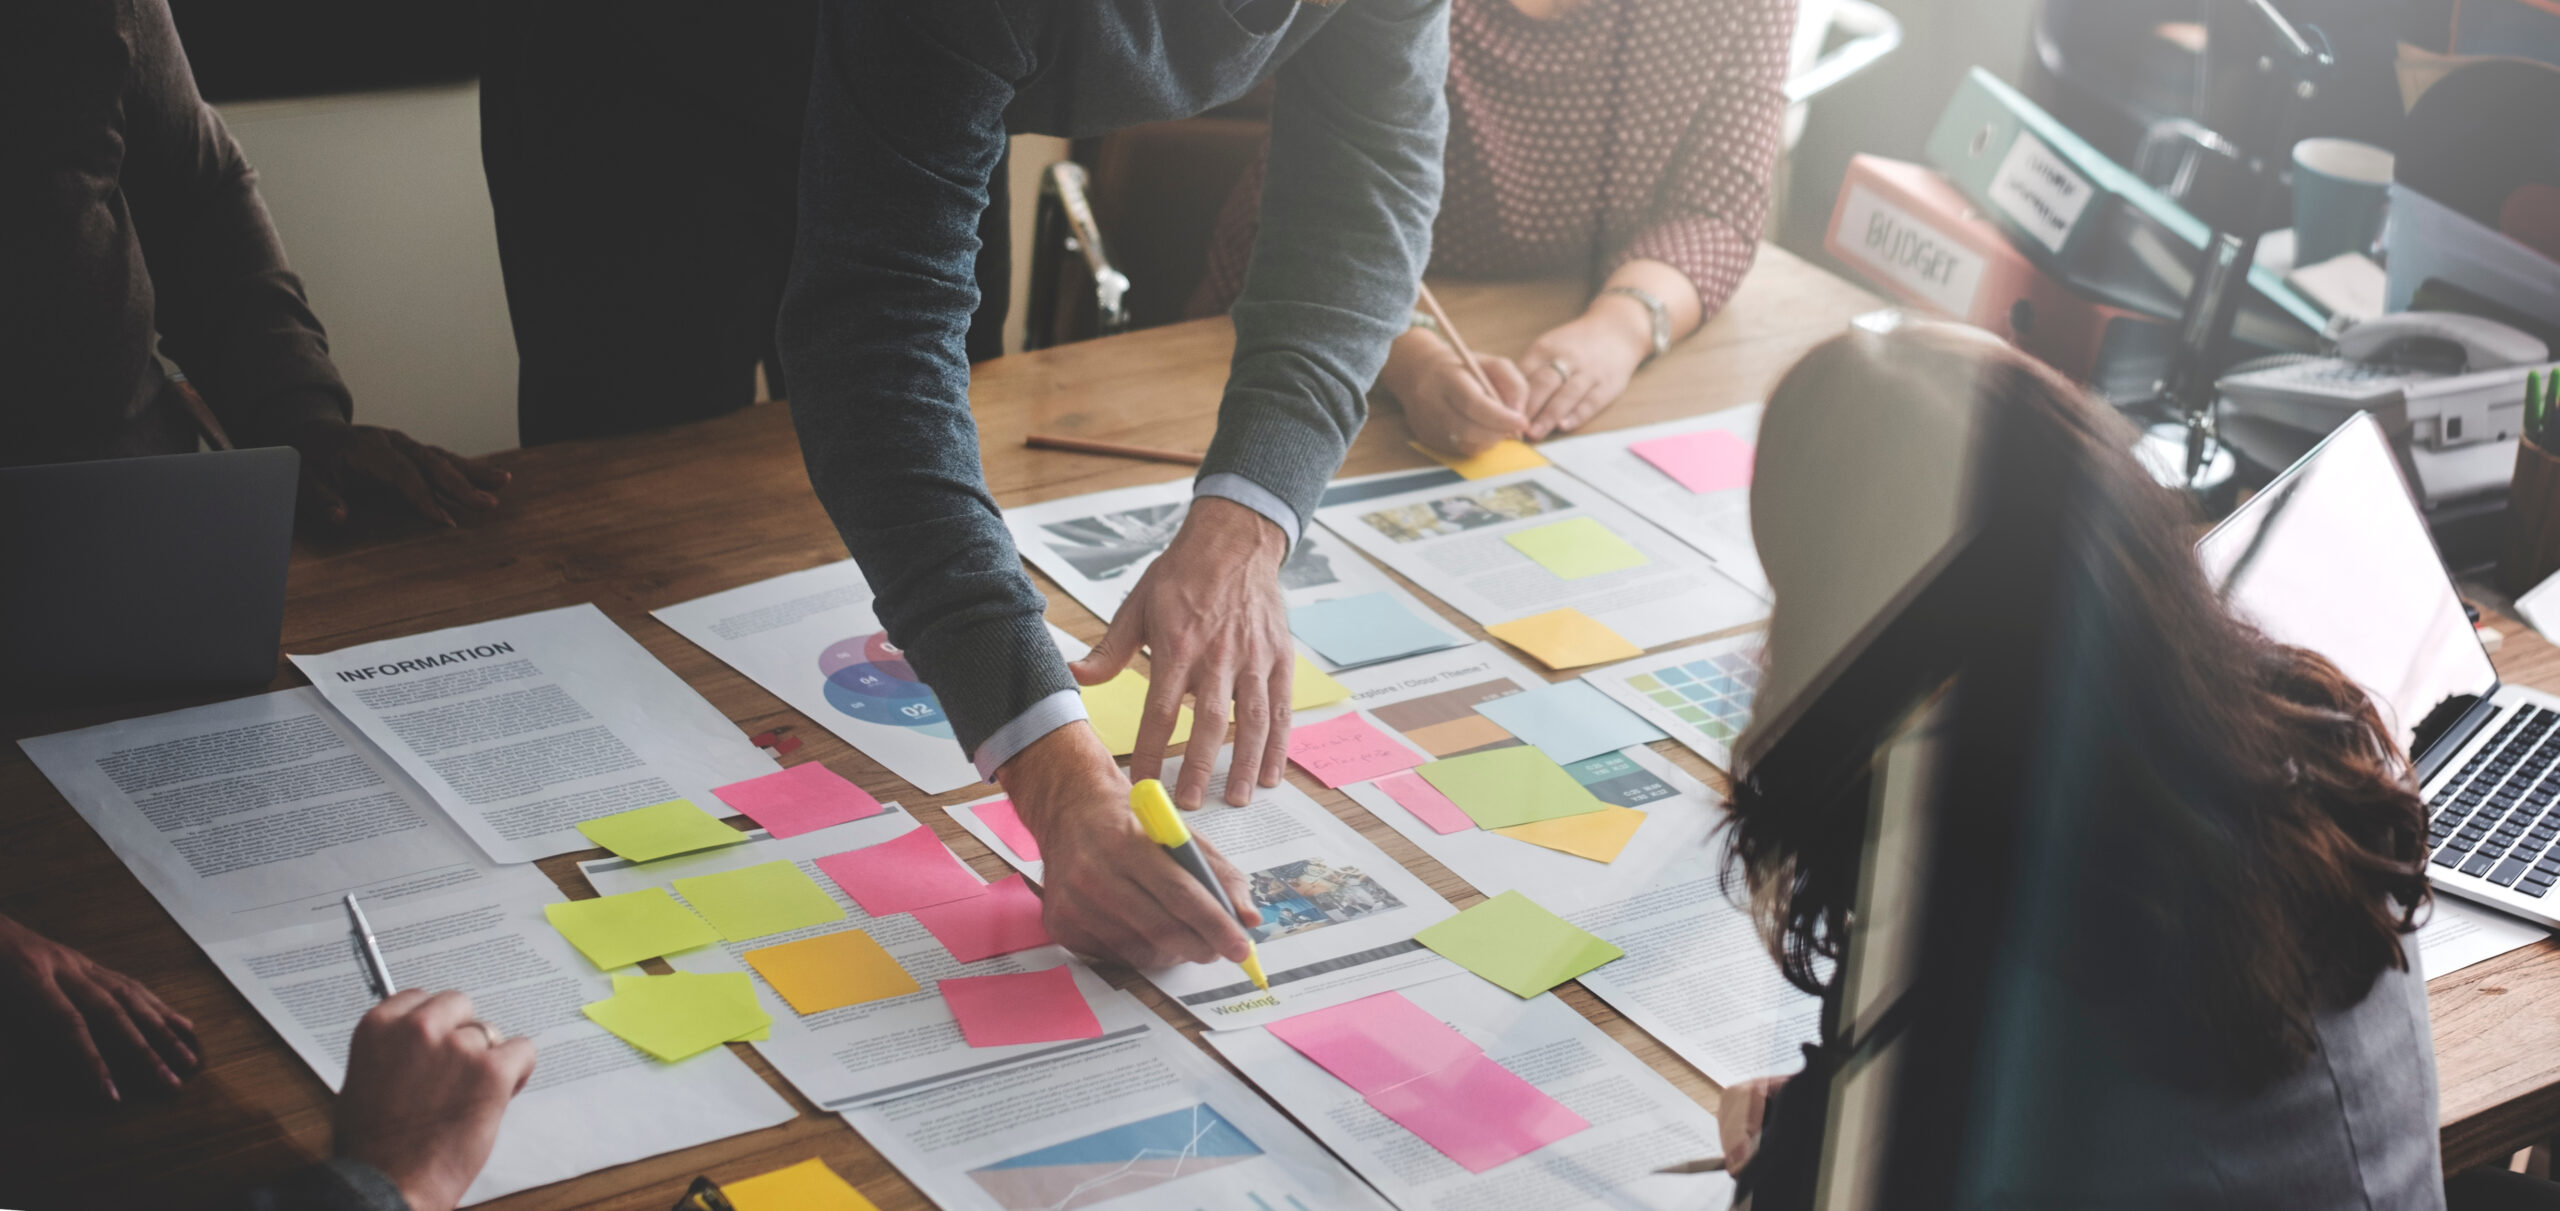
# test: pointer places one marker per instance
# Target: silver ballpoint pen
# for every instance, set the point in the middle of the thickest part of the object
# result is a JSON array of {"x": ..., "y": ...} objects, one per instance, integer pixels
[{"x": 377, "y": 971}]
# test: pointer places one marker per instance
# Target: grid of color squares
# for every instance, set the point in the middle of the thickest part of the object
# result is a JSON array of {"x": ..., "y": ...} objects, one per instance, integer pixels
[{"x": 1711, "y": 695}]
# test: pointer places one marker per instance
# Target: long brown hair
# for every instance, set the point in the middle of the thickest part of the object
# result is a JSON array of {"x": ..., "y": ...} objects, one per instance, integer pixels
[{"x": 2264, "y": 843}]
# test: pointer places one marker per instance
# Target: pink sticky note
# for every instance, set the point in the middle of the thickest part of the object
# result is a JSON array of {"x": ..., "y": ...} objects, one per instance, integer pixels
[
  {"x": 1345, "y": 749},
  {"x": 902, "y": 875},
  {"x": 1375, "y": 1043},
  {"x": 803, "y": 799},
  {"x": 1025, "y": 1007},
  {"x": 1004, "y": 920},
  {"x": 1426, "y": 803},
  {"x": 1000, "y": 818},
  {"x": 1478, "y": 1113},
  {"x": 1710, "y": 460}
]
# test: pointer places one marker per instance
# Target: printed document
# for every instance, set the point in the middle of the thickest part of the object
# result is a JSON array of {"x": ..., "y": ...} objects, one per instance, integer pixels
[
  {"x": 522, "y": 727},
  {"x": 248, "y": 820},
  {"x": 1639, "y": 1121},
  {"x": 2455, "y": 933},
  {"x": 810, "y": 639},
  {"x": 1696, "y": 977},
  {"x": 1097, "y": 545},
  {"x": 1139, "y": 1122},
  {"x": 863, "y": 1052},
  {"x": 1716, "y": 522},
  {"x": 1533, "y": 541}
]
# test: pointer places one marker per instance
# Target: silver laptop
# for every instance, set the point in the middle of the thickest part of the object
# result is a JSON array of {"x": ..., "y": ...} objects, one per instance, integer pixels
[{"x": 2334, "y": 557}]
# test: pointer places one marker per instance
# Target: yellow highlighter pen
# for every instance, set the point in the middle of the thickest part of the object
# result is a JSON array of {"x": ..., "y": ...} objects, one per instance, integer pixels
[{"x": 1163, "y": 823}]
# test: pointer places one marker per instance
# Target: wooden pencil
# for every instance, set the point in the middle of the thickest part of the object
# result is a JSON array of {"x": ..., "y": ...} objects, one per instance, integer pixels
[
  {"x": 1078, "y": 445},
  {"x": 1449, "y": 332}
]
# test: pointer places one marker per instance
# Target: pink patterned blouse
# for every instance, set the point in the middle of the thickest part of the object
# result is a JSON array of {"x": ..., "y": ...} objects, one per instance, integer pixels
[{"x": 1625, "y": 129}]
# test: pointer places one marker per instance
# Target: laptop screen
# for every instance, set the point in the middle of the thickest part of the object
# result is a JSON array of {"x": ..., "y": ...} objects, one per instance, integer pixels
[{"x": 2334, "y": 557}]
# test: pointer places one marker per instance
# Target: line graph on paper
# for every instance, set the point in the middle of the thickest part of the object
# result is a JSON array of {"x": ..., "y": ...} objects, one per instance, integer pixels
[{"x": 1122, "y": 1160}]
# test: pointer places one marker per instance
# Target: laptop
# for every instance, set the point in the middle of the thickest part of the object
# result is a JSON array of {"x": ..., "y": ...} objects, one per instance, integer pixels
[
  {"x": 154, "y": 573},
  {"x": 2333, "y": 556}
]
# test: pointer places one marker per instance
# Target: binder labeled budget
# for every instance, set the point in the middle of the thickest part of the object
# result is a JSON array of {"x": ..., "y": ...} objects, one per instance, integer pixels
[
  {"x": 1918, "y": 238},
  {"x": 2090, "y": 224}
]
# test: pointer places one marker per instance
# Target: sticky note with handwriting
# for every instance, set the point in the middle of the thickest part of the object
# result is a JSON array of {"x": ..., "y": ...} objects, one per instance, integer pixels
[{"x": 1347, "y": 749}]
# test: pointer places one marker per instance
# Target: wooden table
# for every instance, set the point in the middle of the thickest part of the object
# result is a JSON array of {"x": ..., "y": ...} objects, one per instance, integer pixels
[{"x": 636, "y": 523}]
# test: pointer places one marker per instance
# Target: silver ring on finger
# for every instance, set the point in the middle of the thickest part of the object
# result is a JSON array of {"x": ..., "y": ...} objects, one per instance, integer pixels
[
  {"x": 487, "y": 1031},
  {"x": 1563, "y": 369}
]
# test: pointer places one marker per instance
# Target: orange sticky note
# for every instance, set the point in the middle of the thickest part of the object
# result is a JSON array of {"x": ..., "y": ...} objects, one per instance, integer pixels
[
  {"x": 831, "y": 971},
  {"x": 1599, "y": 836},
  {"x": 1565, "y": 639}
]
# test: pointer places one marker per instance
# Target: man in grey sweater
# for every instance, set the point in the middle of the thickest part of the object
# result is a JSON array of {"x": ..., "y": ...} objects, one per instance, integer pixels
[{"x": 909, "y": 110}]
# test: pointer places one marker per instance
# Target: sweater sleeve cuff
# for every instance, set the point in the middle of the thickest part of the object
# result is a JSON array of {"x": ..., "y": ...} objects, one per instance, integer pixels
[
  {"x": 1227, "y": 485},
  {"x": 1041, "y": 718}
]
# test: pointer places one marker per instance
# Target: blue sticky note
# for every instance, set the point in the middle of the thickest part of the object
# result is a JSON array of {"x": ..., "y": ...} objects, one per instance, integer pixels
[
  {"x": 1353, "y": 631},
  {"x": 1569, "y": 721}
]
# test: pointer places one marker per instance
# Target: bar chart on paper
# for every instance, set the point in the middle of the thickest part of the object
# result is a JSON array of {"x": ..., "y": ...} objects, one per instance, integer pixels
[{"x": 1700, "y": 694}]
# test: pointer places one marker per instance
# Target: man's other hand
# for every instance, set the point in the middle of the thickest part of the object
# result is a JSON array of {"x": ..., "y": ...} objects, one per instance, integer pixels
[
  {"x": 1106, "y": 890},
  {"x": 350, "y": 469},
  {"x": 426, "y": 1087},
  {"x": 64, "y": 1003},
  {"x": 1210, "y": 616}
]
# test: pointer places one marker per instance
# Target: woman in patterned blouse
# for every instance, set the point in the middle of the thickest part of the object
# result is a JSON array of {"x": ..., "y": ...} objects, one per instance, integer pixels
[{"x": 1629, "y": 141}]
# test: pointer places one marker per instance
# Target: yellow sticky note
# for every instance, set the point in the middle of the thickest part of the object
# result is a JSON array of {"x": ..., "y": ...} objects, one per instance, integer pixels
[
  {"x": 660, "y": 830},
  {"x": 1115, "y": 707},
  {"x": 1311, "y": 687},
  {"x": 831, "y": 971},
  {"x": 807, "y": 1186},
  {"x": 752, "y": 901},
  {"x": 685, "y": 1014},
  {"x": 1577, "y": 549},
  {"x": 618, "y": 931},
  {"x": 1504, "y": 458},
  {"x": 1565, "y": 639},
  {"x": 1599, "y": 836},
  {"x": 757, "y": 1035}
]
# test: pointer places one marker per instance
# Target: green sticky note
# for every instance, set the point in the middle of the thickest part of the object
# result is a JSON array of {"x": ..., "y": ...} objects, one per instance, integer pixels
[
  {"x": 758, "y": 1035},
  {"x": 674, "y": 1017},
  {"x": 1577, "y": 548},
  {"x": 1501, "y": 787},
  {"x": 645, "y": 834},
  {"x": 772, "y": 897},
  {"x": 618, "y": 931},
  {"x": 1513, "y": 942}
]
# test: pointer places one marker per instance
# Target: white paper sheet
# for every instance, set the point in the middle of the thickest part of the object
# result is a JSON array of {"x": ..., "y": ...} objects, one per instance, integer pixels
[
  {"x": 248, "y": 819},
  {"x": 1097, "y": 545},
  {"x": 880, "y": 1049},
  {"x": 1718, "y": 524},
  {"x": 2456, "y": 933},
  {"x": 522, "y": 727},
  {"x": 1339, "y": 915},
  {"x": 1144, "y": 1123},
  {"x": 1450, "y": 539},
  {"x": 810, "y": 639},
  {"x": 1639, "y": 1121},
  {"x": 1697, "y": 978},
  {"x": 1701, "y": 695}
]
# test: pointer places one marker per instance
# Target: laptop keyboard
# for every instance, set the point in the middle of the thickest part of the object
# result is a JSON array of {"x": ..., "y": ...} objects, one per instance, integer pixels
[{"x": 2494, "y": 818}]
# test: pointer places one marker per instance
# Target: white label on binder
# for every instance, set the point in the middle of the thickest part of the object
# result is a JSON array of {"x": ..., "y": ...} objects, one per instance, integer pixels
[
  {"x": 2041, "y": 190},
  {"x": 1909, "y": 252}
]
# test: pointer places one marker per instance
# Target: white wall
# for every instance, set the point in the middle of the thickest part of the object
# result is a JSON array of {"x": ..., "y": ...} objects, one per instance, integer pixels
[{"x": 383, "y": 209}]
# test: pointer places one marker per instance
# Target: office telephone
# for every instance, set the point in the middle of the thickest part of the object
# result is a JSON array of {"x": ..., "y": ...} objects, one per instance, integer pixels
[{"x": 2448, "y": 387}]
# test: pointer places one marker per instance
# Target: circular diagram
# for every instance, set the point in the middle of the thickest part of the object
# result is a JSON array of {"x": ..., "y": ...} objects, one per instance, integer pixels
[{"x": 870, "y": 680}]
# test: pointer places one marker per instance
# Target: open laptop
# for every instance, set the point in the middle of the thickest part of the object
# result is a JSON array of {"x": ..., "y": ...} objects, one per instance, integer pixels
[
  {"x": 2333, "y": 556},
  {"x": 161, "y": 573}
]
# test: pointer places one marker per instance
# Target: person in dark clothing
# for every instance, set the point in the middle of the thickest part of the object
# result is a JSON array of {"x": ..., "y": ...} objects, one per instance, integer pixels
[
  {"x": 644, "y": 164},
  {"x": 129, "y": 221},
  {"x": 910, "y": 105}
]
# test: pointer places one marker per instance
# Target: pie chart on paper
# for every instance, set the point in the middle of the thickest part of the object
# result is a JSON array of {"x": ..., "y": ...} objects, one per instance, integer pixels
[{"x": 869, "y": 679}]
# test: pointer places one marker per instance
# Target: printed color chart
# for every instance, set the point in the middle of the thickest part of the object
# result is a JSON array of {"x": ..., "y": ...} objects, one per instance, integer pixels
[{"x": 1701, "y": 694}]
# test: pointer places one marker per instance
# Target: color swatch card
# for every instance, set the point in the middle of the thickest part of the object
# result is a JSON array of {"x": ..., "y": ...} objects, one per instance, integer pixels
[
  {"x": 1690, "y": 476},
  {"x": 1348, "y": 748},
  {"x": 1704, "y": 460},
  {"x": 831, "y": 971},
  {"x": 1523, "y": 1103},
  {"x": 804, "y": 798},
  {"x": 1367, "y": 629},
  {"x": 1518, "y": 945},
  {"x": 1564, "y": 638},
  {"x": 902, "y": 875},
  {"x": 1003, "y": 921},
  {"x": 1702, "y": 695},
  {"x": 1020, "y": 1007},
  {"x": 757, "y": 901},
  {"x": 646, "y": 834},
  {"x": 618, "y": 931},
  {"x": 1569, "y": 721},
  {"x": 1500, "y": 787}
]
